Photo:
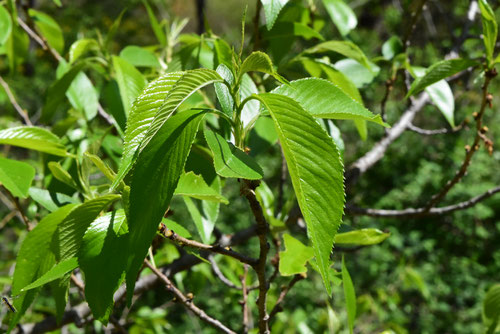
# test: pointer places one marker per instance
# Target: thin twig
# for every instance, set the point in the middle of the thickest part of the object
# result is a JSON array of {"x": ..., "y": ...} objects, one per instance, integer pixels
[
  {"x": 181, "y": 241},
  {"x": 423, "y": 211},
  {"x": 188, "y": 302},
  {"x": 284, "y": 290},
  {"x": 220, "y": 275},
  {"x": 23, "y": 113},
  {"x": 15, "y": 201},
  {"x": 433, "y": 132},
  {"x": 244, "y": 301},
  {"x": 248, "y": 190},
  {"x": 40, "y": 40},
  {"x": 486, "y": 100}
]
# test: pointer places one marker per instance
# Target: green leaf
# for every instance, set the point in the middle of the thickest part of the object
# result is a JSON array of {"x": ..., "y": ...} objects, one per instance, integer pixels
[
  {"x": 392, "y": 47},
  {"x": 324, "y": 99},
  {"x": 362, "y": 237},
  {"x": 176, "y": 227},
  {"x": 158, "y": 168},
  {"x": 62, "y": 175},
  {"x": 251, "y": 109},
  {"x": 490, "y": 28},
  {"x": 293, "y": 260},
  {"x": 16, "y": 176},
  {"x": 34, "y": 250},
  {"x": 57, "y": 91},
  {"x": 292, "y": 29},
  {"x": 491, "y": 303},
  {"x": 350, "y": 296},
  {"x": 203, "y": 225},
  {"x": 50, "y": 201},
  {"x": 5, "y": 25},
  {"x": 141, "y": 115},
  {"x": 33, "y": 138},
  {"x": 222, "y": 91},
  {"x": 345, "y": 48},
  {"x": 73, "y": 227},
  {"x": 142, "y": 127},
  {"x": 102, "y": 260},
  {"x": 58, "y": 271},
  {"x": 139, "y": 57},
  {"x": 316, "y": 171},
  {"x": 130, "y": 81},
  {"x": 342, "y": 15},
  {"x": 230, "y": 161},
  {"x": 260, "y": 62},
  {"x": 193, "y": 185},
  {"x": 49, "y": 29},
  {"x": 102, "y": 166},
  {"x": 360, "y": 75},
  {"x": 81, "y": 47},
  {"x": 272, "y": 9},
  {"x": 439, "y": 71},
  {"x": 114, "y": 28},
  {"x": 157, "y": 29},
  {"x": 442, "y": 96},
  {"x": 81, "y": 93}
]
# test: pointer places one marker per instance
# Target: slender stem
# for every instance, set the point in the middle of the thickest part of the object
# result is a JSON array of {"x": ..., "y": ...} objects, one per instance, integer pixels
[
  {"x": 486, "y": 100},
  {"x": 188, "y": 302},
  {"x": 284, "y": 290},
  {"x": 169, "y": 234},
  {"x": 13, "y": 101},
  {"x": 15, "y": 201},
  {"x": 248, "y": 190}
]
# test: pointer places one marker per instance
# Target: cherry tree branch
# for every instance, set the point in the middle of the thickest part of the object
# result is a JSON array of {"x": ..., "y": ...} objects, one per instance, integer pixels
[
  {"x": 188, "y": 302},
  {"x": 284, "y": 290}
]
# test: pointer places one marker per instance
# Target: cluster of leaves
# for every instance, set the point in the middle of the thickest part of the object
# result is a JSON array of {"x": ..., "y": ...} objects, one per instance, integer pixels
[{"x": 170, "y": 134}]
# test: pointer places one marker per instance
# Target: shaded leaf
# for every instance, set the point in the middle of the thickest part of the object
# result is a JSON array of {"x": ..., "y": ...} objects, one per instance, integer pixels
[
  {"x": 203, "y": 225},
  {"x": 157, "y": 29},
  {"x": 345, "y": 48},
  {"x": 48, "y": 28},
  {"x": 293, "y": 260},
  {"x": 139, "y": 57},
  {"x": 439, "y": 71},
  {"x": 350, "y": 296},
  {"x": 16, "y": 176},
  {"x": 33, "y": 138},
  {"x": 316, "y": 171},
  {"x": 324, "y": 99},
  {"x": 260, "y": 62},
  {"x": 58, "y": 271},
  {"x": 158, "y": 168},
  {"x": 251, "y": 109},
  {"x": 292, "y": 29},
  {"x": 392, "y": 47},
  {"x": 491, "y": 308},
  {"x": 230, "y": 161},
  {"x": 272, "y": 9},
  {"x": 362, "y": 237},
  {"x": 342, "y": 15},
  {"x": 62, "y": 175},
  {"x": 222, "y": 91},
  {"x": 130, "y": 81},
  {"x": 194, "y": 186},
  {"x": 102, "y": 260},
  {"x": 50, "y": 201},
  {"x": 5, "y": 25}
]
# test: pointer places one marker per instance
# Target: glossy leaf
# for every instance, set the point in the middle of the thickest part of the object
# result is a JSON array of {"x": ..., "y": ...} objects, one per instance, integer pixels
[
  {"x": 139, "y": 57},
  {"x": 203, "y": 225},
  {"x": 5, "y": 25},
  {"x": 130, "y": 81},
  {"x": 360, "y": 75},
  {"x": 272, "y": 9},
  {"x": 158, "y": 168},
  {"x": 316, "y": 171},
  {"x": 141, "y": 115},
  {"x": 49, "y": 29},
  {"x": 34, "y": 250},
  {"x": 194, "y": 186},
  {"x": 439, "y": 71},
  {"x": 176, "y": 227},
  {"x": 223, "y": 94},
  {"x": 490, "y": 28},
  {"x": 51, "y": 201},
  {"x": 230, "y": 161},
  {"x": 350, "y": 297},
  {"x": 16, "y": 176},
  {"x": 345, "y": 48},
  {"x": 295, "y": 257},
  {"x": 362, "y": 237},
  {"x": 81, "y": 47},
  {"x": 342, "y": 15},
  {"x": 33, "y": 138},
  {"x": 58, "y": 271},
  {"x": 57, "y": 91},
  {"x": 103, "y": 261},
  {"x": 73, "y": 227},
  {"x": 324, "y": 99},
  {"x": 260, "y": 62},
  {"x": 251, "y": 109}
]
